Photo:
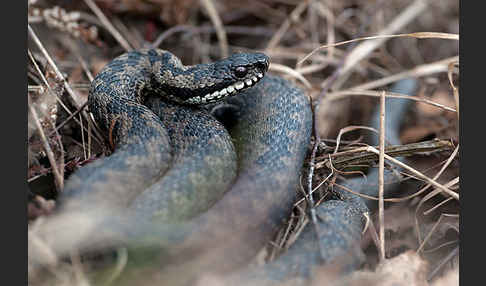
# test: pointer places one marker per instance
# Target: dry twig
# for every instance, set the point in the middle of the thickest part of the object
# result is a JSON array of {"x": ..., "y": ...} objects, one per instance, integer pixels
[
  {"x": 50, "y": 155},
  {"x": 294, "y": 16},
  {"x": 287, "y": 70},
  {"x": 381, "y": 181},
  {"x": 104, "y": 20},
  {"x": 218, "y": 24},
  {"x": 442, "y": 188},
  {"x": 67, "y": 86}
]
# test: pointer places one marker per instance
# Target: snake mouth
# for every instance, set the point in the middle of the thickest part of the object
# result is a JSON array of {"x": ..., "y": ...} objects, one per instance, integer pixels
[{"x": 225, "y": 92}]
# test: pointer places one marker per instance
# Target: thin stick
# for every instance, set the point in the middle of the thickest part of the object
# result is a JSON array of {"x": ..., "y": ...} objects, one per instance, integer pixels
[
  {"x": 381, "y": 180},
  {"x": 67, "y": 87},
  {"x": 437, "y": 206},
  {"x": 290, "y": 71},
  {"x": 104, "y": 20},
  {"x": 421, "y": 70},
  {"x": 330, "y": 19},
  {"x": 294, "y": 15},
  {"x": 361, "y": 155},
  {"x": 454, "y": 88},
  {"x": 69, "y": 118},
  {"x": 82, "y": 138},
  {"x": 218, "y": 25},
  {"x": 365, "y": 48},
  {"x": 416, "y": 173},
  {"x": 313, "y": 190},
  {"x": 191, "y": 30},
  {"x": 310, "y": 200},
  {"x": 394, "y": 200},
  {"x": 417, "y": 35},
  {"x": 359, "y": 194},
  {"x": 84, "y": 65},
  {"x": 343, "y": 94},
  {"x": 44, "y": 79},
  {"x": 90, "y": 78},
  {"x": 169, "y": 32},
  {"x": 442, "y": 169},
  {"x": 127, "y": 34},
  {"x": 313, "y": 22},
  {"x": 442, "y": 216},
  {"x": 348, "y": 129},
  {"x": 89, "y": 140},
  {"x": 374, "y": 235},
  {"x": 449, "y": 257},
  {"x": 435, "y": 192},
  {"x": 50, "y": 155}
]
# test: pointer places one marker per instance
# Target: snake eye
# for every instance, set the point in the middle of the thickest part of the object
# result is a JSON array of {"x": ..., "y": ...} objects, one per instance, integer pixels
[{"x": 240, "y": 72}]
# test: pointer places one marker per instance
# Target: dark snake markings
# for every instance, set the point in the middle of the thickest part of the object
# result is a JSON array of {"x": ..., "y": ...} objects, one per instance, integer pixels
[
  {"x": 199, "y": 196},
  {"x": 174, "y": 161}
]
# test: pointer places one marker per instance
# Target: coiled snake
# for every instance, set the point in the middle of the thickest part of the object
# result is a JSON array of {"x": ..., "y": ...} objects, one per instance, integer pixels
[
  {"x": 179, "y": 181},
  {"x": 173, "y": 160}
]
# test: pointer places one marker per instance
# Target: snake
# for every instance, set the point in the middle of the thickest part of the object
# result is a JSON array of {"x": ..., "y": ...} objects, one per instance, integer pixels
[
  {"x": 184, "y": 179},
  {"x": 177, "y": 175}
]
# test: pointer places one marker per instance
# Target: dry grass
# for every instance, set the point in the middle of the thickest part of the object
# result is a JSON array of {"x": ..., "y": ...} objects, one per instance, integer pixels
[{"x": 344, "y": 54}]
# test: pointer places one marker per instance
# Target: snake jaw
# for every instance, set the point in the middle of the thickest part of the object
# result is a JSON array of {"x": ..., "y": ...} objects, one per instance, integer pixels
[
  {"x": 226, "y": 91},
  {"x": 214, "y": 82}
]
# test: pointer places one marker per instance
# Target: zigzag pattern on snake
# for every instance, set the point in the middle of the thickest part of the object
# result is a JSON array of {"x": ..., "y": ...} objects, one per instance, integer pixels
[
  {"x": 232, "y": 186},
  {"x": 174, "y": 160}
]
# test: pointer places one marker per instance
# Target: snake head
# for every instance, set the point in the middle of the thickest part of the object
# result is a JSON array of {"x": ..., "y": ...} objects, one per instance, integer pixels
[
  {"x": 229, "y": 76},
  {"x": 244, "y": 66}
]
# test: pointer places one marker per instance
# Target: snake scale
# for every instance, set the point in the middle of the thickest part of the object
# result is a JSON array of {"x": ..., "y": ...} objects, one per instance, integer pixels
[{"x": 180, "y": 181}]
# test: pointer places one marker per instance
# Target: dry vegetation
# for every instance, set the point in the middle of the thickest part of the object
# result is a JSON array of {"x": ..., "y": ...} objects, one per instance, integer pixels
[{"x": 325, "y": 47}]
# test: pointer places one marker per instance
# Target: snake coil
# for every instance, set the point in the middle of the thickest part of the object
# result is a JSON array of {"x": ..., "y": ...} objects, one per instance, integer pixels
[
  {"x": 179, "y": 178},
  {"x": 205, "y": 196}
]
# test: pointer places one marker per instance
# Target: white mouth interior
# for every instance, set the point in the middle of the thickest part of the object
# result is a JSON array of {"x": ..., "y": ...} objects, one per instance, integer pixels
[{"x": 210, "y": 97}]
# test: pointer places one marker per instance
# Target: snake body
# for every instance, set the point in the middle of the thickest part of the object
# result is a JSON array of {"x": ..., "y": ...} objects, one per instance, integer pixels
[
  {"x": 137, "y": 99},
  {"x": 200, "y": 196},
  {"x": 173, "y": 160},
  {"x": 196, "y": 195}
]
